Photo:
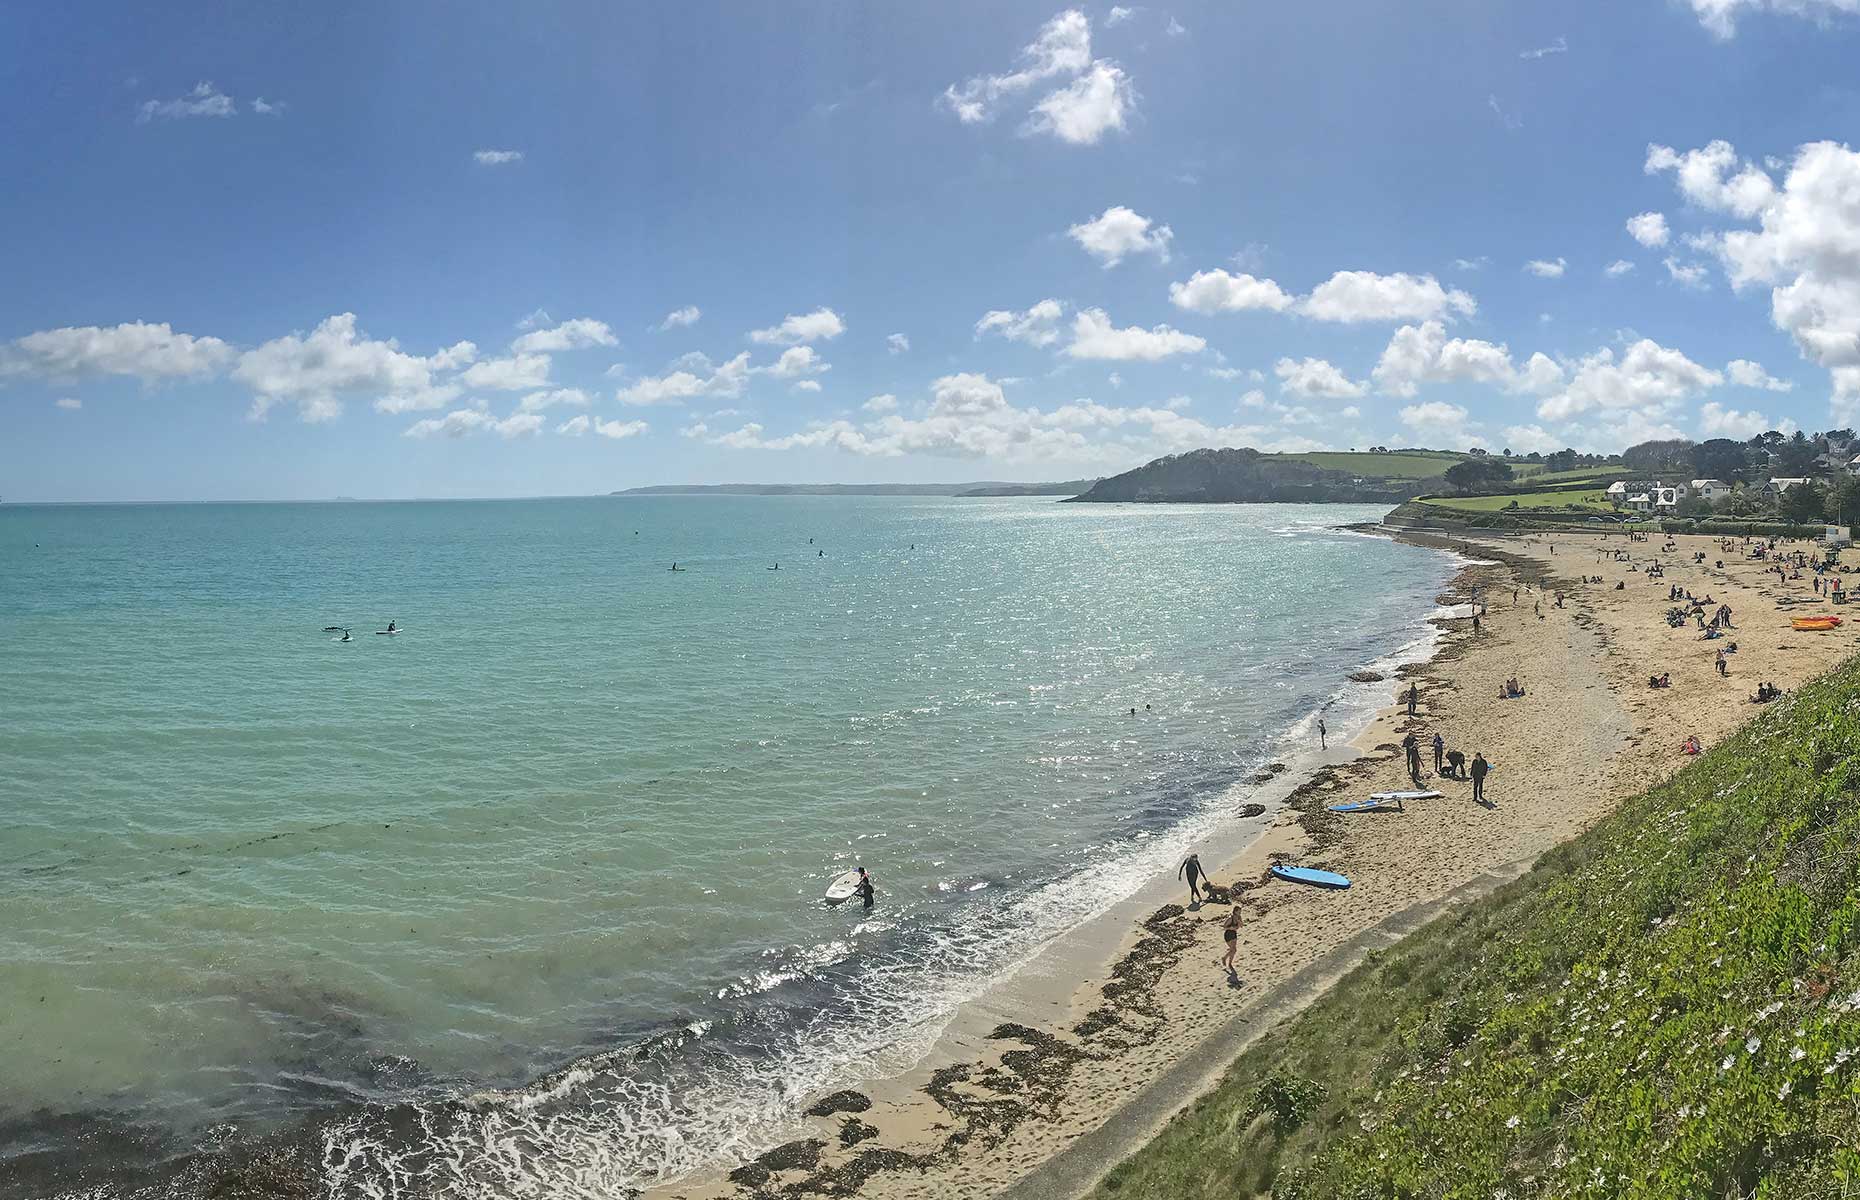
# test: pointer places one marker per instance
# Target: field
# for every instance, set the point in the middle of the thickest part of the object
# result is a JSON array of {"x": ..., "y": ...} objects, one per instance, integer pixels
[
  {"x": 1595, "y": 499},
  {"x": 1425, "y": 464},
  {"x": 1666, "y": 1007}
]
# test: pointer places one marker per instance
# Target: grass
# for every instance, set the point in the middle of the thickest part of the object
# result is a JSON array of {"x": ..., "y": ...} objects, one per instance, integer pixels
[
  {"x": 1585, "y": 499},
  {"x": 1663, "y": 1008},
  {"x": 1408, "y": 465}
]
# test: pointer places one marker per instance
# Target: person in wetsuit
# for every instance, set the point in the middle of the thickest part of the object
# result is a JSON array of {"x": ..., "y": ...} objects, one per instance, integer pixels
[
  {"x": 1479, "y": 768},
  {"x": 1191, "y": 869},
  {"x": 865, "y": 891}
]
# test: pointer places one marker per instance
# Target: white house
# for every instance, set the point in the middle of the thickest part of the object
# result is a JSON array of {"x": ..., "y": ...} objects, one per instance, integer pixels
[
  {"x": 1710, "y": 490},
  {"x": 1638, "y": 502},
  {"x": 1853, "y": 465},
  {"x": 1665, "y": 497},
  {"x": 1617, "y": 492},
  {"x": 1777, "y": 487}
]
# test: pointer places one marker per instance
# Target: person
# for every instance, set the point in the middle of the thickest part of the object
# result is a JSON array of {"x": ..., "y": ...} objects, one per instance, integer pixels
[
  {"x": 1456, "y": 764},
  {"x": 1414, "y": 696},
  {"x": 1479, "y": 769},
  {"x": 1411, "y": 745},
  {"x": 1721, "y": 667},
  {"x": 1191, "y": 869},
  {"x": 1440, "y": 750},
  {"x": 1475, "y": 622},
  {"x": 865, "y": 891},
  {"x": 345, "y": 636},
  {"x": 393, "y": 628},
  {"x": 1322, "y": 732},
  {"x": 1230, "y": 933}
]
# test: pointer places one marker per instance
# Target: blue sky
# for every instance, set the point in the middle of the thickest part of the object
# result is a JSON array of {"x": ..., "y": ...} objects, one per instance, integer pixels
[{"x": 435, "y": 250}]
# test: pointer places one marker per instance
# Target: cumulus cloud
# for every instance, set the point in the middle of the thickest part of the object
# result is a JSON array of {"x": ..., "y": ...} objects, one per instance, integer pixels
[
  {"x": 1118, "y": 15},
  {"x": 678, "y": 318},
  {"x": 1648, "y": 380},
  {"x": 1713, "y": 179},
  {"x": 1547, "y": 268},
  {"x": 1353, "y": 296},
  {"x": 1086, "y": 109},
  {"x": 1063, "y": 47},
  {"x": 821, "y": 324},
  {"x": 68, "y": 403},
  {"x": 1692, "y": 275},
  {"x": 897, "y": 343},
  {"x": 576, "y": 334},
  {"x": 336, "y": 359},
  {"x": 1617, "y": 268},
  {"x": 1438, "y": 421},
  {"x": 797, "y": 362},
  {"x": 1715, "y": 420},
  {"x": 496, "y": 158},
  {"x": 1472, "y": 264},
  {"x": 1313, "y": 377},
  {"x": 584, "y": 424},
  {"x": 1525, "y": 438},
  {"x": 1037, "y": 326},
  {"x": 1720, "y": 16},
  {"x": 881, "y": 404},
  {"x": 1093, "y": 336},
  {"x": 1118, "y": 232},
  {"x": 694, "y": 376},
  {"x": 461, "y": 421},
  {"x": 513, "y": 374},
  {"x": 1423, "y": 354},
  {"x": 204, "y": 101},
  {"x": 1744, "y": 373},
  {"x": 1649, "y": 229},
  {"x": 539, "y": 401},
  {"x": 1219, "y": 291},
  {"x": 141, "y": 350}
]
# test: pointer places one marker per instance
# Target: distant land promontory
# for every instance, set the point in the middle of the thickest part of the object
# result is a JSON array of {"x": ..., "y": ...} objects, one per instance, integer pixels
[
  {"x": 1069, "y": 488},
  {"x": 1248, "y": 476}
]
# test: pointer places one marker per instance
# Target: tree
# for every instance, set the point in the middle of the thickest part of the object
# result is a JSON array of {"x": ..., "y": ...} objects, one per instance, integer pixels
[
  {"x": 1842, "y": 502},
  {"x": 1793, "y": 459},
  {"x": 1478, "y": 474},
  {"x": 1659, "y": 457},
  {"x": 1720, "y": 458},
  {"x": 1802, "y": 504}
]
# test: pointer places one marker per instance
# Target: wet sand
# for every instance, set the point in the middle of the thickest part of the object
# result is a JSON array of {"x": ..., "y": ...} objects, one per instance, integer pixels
[{"x": 1060, "y": 1049}]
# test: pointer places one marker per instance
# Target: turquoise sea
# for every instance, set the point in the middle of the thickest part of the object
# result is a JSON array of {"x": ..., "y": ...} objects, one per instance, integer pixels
[{"x": 525, "y": 899}]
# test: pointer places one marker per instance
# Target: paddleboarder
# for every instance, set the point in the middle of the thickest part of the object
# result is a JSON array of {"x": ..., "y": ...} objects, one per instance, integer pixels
[{"x": 865, "y": 891}]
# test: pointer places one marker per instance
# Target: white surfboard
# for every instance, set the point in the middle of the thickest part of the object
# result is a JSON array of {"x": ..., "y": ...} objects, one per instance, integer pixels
[
  {"x": 842, "y": 887},
  {"x": 1430, "y": 794}
]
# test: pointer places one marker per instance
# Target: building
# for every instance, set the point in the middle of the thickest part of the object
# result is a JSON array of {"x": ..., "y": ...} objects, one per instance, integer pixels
[
  {"x": 1853, "y": 465},
  {"x": 1777, "y": 487},
  {"x": 1665, "y": 498},
  {"x": 1710, "y": 490},
  {"x": 1617, "y": 493},
  {"x": 1638, "y": 502}
]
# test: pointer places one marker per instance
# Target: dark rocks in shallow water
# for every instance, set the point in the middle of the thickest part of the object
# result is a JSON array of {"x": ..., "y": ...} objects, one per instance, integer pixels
[
  {"x": 1252, "y": 810},
  {"x": 803, "y": 1155},
  {"x": 855, "y": 1131},
  {"x": 1367, "y": 676},
  {"x": 847, "y": 1101}
]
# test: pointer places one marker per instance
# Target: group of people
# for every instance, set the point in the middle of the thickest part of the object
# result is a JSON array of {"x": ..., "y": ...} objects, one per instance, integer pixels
[
  {"x": 1510, "y": 690},
  {"x": 1198, "y": 886},
  {"x": 1449, "y": 764},
  {"x": 1765, "y": 693}
]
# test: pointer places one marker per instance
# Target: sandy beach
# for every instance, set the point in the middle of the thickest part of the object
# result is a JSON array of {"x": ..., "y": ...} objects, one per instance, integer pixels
[{"x": 1057, "y": 1051}]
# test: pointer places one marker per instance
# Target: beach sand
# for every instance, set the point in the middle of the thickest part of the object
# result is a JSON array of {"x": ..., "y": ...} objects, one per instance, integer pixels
[{"x": 1059, "y": 1049}]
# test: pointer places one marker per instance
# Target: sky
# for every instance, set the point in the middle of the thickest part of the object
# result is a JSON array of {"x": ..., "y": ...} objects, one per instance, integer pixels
[{"x": 473, "y": 249}]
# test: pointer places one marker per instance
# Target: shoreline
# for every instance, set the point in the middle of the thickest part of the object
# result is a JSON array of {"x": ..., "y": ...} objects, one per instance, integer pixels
[{"x": 1028, "y": 1108}]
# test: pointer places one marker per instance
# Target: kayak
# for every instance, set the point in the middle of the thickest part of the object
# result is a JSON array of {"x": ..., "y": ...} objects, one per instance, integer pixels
[{"x": 1814, "y": 623}]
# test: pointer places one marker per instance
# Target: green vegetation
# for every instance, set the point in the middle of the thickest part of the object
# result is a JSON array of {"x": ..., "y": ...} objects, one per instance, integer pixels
[
  {"x": 1583, "y": 499},
  {"x": 1664, "y": 1007},
  {"x": 1402, "y": 464}
]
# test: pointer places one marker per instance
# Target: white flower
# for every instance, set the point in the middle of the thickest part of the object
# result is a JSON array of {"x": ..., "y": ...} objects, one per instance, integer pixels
[
  {"x": 1751, "y": 1044},
  {"x": 1512, "y": 1123}
]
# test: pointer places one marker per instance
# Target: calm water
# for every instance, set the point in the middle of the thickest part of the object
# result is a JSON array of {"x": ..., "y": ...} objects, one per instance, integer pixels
[{"x": 559, "y": 846}]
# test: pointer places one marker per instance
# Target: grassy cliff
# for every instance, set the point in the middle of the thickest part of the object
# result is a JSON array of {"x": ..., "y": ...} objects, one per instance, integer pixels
[{"x": 1664, "y": 1007}]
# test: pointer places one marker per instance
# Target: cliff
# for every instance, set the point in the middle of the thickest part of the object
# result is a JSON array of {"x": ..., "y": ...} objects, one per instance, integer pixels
[{"x": 1241, "y": 476}]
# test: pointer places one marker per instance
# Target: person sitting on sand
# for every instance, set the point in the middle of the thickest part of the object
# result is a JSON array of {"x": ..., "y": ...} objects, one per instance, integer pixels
[{"x": 1691, "y": 745}]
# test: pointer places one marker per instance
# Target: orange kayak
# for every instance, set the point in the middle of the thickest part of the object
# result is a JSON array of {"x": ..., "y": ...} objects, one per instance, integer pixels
[{"x": 1814, "y": 623}]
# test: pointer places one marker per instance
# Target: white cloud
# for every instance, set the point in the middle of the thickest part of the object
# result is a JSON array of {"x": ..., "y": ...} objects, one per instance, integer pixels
[
  {"x": 139, "y": 349},
  {"x": 204, "y": 101},
  {"x": 1472, "y": 264},
  {"x": 678, "y": 318},
  {"x": 1715, "y": 420},
  {"x": 579, "y": 425},
  {"x": 1690, "y": 275},
  {"x": 808, "y": 327},
  {"x": 513, "y": 374},
  {"x": 1649, "y": 229},
  {"x": 575, "y": 334},
  {"x": 1720, "y": 16},
  {"x": 1423, "y": 354},
  {"x": 461, "y": 421},
  {"x": 1086, "y": 109},
  {"x": 315, "y": 371},
  {"x": 881, "y": 404},
  {"x": 1712, "y": 179},
  {"x": 1525, "y": 438},
  {"x": 1508, "y": 120},
  {"x": 1366, "y": 296},
  {"x": 539, "y": 401},
  {"x": 1038, "y": 326},
  {"x": 1118, "y": 232},
  {"x": 1118, "y": 15},
  {"x": 897, "y": 343},
  {"x": 1547, "y": 268},
  {"x": 797, "y": 362},
  {"x": 1744, "y": 373},
  {"x": 68, "y": 403},
  {"x": 1313, "y": 378},
  {"x": 1649, "y": 380},
  {"x": 693, "y": 377},
  {"x": 1218, "y": 291},
  {"x": 1439, "y": 421},
  {"x": 1063, "y": 47},
  {"x": 459, "y": 354},
  {"x": 1093, "y": 336},
  {"x": 266, "y": 108},
  {"x": 807, "y": 385},
  {"x": 1560, "y": 46},
  {"x": 1617, "y": 268},
  {"x": 496, "y": 158},
  {"x": 1174, "y": 28}
]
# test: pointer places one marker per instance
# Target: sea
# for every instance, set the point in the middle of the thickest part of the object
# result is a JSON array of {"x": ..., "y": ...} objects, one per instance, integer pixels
[{"x": 525, "y": 899}]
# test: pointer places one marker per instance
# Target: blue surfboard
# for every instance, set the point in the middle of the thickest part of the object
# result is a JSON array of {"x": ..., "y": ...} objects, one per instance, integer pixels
[
  {"x": 1364, "y": 806},
  {"x": 1316, "y": 878}
]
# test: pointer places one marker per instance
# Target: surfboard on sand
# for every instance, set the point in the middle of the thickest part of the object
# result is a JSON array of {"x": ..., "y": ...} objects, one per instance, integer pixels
[
  {"x": 1312, "y": 876},
  {"x": 842, "y": 888},
  {"x": 1370, "y": 805},
  {"x": 1423, "y": 794}
]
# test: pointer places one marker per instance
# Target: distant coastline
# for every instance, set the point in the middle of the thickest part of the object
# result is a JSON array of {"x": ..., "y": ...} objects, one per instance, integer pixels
[{"x": 1071, "y": 487}]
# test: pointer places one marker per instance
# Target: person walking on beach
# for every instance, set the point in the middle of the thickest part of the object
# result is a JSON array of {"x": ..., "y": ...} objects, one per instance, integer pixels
[
  {"x": 1722, "y": 671},
  {"x": 1411, "y": 746},
  {"x": 1191, "y": 868},
  {"x": 1440, "y": 751},
  {"x": 1321, "y": 734},
  {"x": 1414, "y": 696},
  {"x": 865, "y": 891},
  {"x": 1230, "y": 933},
  {"x": 1479, "y": 769}
]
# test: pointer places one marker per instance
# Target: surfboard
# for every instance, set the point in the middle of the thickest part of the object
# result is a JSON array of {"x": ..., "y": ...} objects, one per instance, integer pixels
[
  {"x": 842, "y": 887},
  {"x": 386, "y": 632},
  {"x": 1364, "y": 806},
  {"x": 1428, "y": 794},
  {"x": 1316, "y": 878}
]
